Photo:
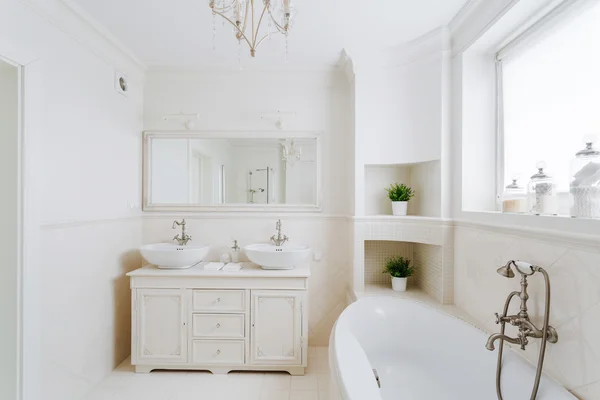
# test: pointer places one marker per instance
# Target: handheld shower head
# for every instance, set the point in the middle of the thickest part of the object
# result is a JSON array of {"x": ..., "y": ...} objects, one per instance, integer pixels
[
  {"x": 506, "y": 271},
  {"x": 524, "y": 268}
]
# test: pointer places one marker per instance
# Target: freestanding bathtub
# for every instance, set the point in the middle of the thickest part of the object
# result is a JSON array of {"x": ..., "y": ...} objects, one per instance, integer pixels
[{"x": 421, "y": 353}]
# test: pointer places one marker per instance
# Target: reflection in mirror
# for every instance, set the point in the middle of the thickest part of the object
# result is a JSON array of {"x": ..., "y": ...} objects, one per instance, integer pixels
[{"x": 231, "y": 171}]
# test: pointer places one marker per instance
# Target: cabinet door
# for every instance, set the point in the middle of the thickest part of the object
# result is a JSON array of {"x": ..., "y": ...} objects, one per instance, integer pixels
[
  {"x": 276, "y": 337},
  {"x": 162, "y": 331}
]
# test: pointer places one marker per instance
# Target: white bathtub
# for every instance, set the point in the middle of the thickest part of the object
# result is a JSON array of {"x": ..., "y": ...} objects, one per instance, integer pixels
[{"x": 421, "y": 353}]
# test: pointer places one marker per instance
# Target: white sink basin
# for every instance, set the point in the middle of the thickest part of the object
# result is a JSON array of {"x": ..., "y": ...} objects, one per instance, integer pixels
[
  {"x": 269, "y": 256},
  {"x": 173, "y": 256}
]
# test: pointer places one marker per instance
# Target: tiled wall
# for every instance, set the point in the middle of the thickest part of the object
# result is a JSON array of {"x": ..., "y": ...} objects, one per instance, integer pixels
[
  {"x": 427, "y": 260},
  {"x": 378, "y": 238},
  {"x": 377, "y": 253},
  {"x": 574, "y": 270}
]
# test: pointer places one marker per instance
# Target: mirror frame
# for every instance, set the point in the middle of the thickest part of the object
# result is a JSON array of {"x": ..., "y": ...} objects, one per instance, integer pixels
[{"x": 148, "y": 136}]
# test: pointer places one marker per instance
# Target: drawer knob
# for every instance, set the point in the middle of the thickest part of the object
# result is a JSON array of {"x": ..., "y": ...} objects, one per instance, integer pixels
[
  {"x": 218, "y": 352},
  {"x": 218, "y": 299},
  {"x": 218, "y": 325}
]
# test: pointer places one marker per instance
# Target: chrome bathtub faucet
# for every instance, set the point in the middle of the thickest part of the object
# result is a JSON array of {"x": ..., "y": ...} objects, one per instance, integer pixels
[
  {"x": 184, "y": 238},
  {"x": 279, "y": 240},
  {"x": 521, "y": 320}
]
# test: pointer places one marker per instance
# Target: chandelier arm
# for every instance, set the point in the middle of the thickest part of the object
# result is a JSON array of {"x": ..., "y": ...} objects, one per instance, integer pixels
[
  {"x": 253, "y": 27},
  {"x": 260, "y": 41},
  {"x": 280, "y": 28},
  {"x": 226, "y": 8},
  {"x": 258, "y": 26},
  {"x": 246, "y": 19},
  {"x": 236, "y": 27}
]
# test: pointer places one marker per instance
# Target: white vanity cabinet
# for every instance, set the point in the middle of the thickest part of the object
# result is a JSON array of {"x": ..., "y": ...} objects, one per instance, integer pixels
[
  {"x": 219, "y": 321},
  {"x": 161, "y": 325},
  {"x": 276, "y": 336}
]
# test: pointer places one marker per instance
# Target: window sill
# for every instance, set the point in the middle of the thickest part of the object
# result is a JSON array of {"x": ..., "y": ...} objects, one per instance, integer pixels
[{"x": 576, "y": 231}]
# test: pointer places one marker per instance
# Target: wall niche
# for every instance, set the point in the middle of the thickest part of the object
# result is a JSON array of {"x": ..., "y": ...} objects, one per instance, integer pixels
[{"x": 424, "y": 178}]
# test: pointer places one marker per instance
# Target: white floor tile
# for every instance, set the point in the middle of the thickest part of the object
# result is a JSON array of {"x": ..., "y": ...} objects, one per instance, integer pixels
[
  {"x": 275, "y": 395},
  {"x": 306, "y": 382},
  {"x": 277, "y": 381},
  {"x": 304, "y": 395},
  {"x": 124, "y": 384}
]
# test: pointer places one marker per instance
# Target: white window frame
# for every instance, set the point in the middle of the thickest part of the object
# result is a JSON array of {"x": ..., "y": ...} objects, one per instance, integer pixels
[{"x": 561, "y": 14}]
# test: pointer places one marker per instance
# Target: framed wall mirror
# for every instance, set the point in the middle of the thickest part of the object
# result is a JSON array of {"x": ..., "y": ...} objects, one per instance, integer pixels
[{"x": 197, "y": 171}]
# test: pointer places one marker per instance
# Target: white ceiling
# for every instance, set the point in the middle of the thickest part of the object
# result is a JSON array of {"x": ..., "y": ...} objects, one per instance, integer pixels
[{"x": 178, "y": 33}]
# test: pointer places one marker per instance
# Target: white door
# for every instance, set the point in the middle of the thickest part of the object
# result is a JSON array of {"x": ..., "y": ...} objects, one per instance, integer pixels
[
  {"x": 276, "y": 337},
  {"x": 162, "y": 331},
  {"x": 10, "y": 242}
]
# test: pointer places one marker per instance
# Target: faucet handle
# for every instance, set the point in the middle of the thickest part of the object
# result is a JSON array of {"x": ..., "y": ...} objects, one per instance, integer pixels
[{"x": 498, "y": 318}]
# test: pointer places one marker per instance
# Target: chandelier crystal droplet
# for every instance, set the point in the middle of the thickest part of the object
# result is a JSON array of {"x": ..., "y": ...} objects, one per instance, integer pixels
[
  {"x": 290, "y": 152},
  {"x": 247, "y": 16}
]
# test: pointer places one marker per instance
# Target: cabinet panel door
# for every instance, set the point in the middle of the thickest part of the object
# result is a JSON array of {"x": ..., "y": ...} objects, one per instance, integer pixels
[
  {"x": 276, "y": 336},
  {"x": 162, "y": 331}
]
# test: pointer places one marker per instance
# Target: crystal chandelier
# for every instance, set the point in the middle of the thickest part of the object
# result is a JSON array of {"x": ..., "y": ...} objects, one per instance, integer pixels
[
  {"x": 247, "y": 18},
  {"x": 290, "y": 152}
]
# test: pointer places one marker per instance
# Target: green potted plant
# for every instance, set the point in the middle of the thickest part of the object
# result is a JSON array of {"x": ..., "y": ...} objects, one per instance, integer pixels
[
  {"x": 399, "y": 269},
  {"x": 399, "y": 194}
]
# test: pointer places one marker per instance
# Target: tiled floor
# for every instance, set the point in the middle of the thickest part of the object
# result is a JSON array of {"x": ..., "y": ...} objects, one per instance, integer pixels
[{"x": 124, "y": 384}]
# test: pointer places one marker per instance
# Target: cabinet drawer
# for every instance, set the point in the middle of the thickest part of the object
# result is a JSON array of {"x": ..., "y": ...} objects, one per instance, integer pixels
[
  {"x": 215, "y": 352},
  {"x": 218, "y": 326},
  {"x": 219, "y": 300}
]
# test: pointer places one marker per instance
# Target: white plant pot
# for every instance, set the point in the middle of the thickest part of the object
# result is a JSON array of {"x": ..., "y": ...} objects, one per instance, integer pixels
[
  {"x": 399, "y": 207},
  {"x": 399, "y": 284}
]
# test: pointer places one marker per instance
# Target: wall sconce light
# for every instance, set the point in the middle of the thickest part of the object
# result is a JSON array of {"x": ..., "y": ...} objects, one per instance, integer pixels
[
  {"x": 186, "y": 119},
  {"x": 279, "y": 118}
]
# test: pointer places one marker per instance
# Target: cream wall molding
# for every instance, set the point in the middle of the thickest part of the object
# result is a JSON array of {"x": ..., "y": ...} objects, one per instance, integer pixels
[
  {"x": 430, "y": 46},
  {"x": 269, "y": 215},
  {"x": 463, "y": 14},
  {"x": 476, "y": 18},
  {"x": 405, "y": 219},
  {"x": 226, "y": 68},
  {"x": 72, "y": 20},
  {"x": 346, "y": 65},
  {"x": 88, "y": 222},
  {"x": 582, "y": 241}
]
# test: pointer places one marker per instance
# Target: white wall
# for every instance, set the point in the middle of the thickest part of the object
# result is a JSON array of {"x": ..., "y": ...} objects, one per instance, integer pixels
[
  {"x": 400, "y": 116},
  {"x": 483, "y": 241},
  {"x": 235, "y": 101},
  {"x": 9, "y": 229},
  {"x": 399, "y": 112},
  {"x": 87, "y": 171},
  {"x": 425, "y": 179}
]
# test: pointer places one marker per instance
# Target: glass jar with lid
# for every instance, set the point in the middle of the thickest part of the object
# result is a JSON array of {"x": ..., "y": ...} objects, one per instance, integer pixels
[
  {"x": 514, "y": 198},
  {"x": 585, "y": 181},
  {"x": 542, "y": 192}
]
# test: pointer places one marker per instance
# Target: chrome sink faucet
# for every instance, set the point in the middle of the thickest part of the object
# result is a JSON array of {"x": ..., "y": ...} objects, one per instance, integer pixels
[
  {"x": 184, "y": 238},
  {"x": 279, "y": 240},
  {"x": 521, "y": 320}
]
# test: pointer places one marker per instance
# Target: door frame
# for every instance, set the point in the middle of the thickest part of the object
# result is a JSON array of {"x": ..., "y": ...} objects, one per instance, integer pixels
[{"x": 30, "y": 126}]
